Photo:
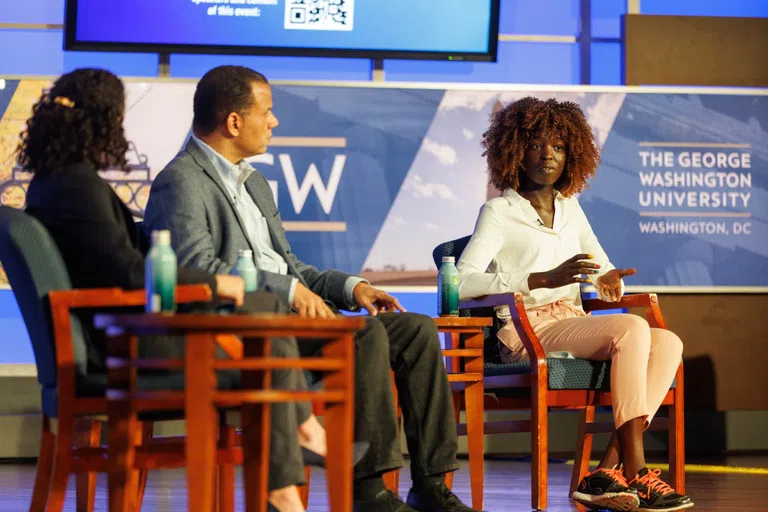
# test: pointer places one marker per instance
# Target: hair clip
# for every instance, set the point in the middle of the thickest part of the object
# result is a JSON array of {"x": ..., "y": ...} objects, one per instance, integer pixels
[{"x": 64, "y": 101}]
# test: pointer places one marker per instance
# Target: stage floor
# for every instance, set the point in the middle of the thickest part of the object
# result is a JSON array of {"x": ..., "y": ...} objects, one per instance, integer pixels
[{"x": 507, "y": 488}]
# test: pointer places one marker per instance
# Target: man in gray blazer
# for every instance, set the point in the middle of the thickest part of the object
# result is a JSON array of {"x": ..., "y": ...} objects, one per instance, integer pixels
[{"x": 215, "y": 204}]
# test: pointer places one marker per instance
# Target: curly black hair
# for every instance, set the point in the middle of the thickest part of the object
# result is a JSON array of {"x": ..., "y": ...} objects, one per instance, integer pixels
[
  {"x": 79, "y": 120},
  {"x": 514, "y": 126}
]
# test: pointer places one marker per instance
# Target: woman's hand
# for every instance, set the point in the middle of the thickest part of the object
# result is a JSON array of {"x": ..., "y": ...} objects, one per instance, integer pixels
[
  {"x": 568, "y": 272},
  {"x": 609, "y": 284},
  {"x": 230, "y": 287}
]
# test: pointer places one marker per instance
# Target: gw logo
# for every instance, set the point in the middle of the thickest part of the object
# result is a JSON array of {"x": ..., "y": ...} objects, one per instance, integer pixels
[{"x": 326, "y": 193}]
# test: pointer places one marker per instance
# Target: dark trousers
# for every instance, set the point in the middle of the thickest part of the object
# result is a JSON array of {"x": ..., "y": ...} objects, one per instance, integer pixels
[
  {"x": 408, "y": 344},
  {"x": 286, "y": 465}
]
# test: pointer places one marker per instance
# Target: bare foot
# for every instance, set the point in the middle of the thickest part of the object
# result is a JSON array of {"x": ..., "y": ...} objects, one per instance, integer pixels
[
  {"x": 286, "y": 499},
  {"x": 312, "y": 436}
]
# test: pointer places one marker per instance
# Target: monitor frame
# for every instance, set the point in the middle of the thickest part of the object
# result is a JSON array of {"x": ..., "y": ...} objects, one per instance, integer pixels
[{"x": 71, "y": 43}]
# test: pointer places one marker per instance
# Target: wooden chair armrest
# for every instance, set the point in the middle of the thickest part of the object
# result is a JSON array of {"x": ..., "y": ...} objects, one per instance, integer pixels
[
  {"x": 648, "y": 301},
  {"x": 522, "y": 325},
  {"x": 489, "y": 301},
  {"x": 62, "y": 301},
  {"x": 118, "y": 297}
]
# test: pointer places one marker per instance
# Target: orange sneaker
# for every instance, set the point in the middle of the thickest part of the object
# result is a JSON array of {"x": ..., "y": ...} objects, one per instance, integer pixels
[
  {"x": 655, "y": 495},
  {"x": 606, "y": 489}
]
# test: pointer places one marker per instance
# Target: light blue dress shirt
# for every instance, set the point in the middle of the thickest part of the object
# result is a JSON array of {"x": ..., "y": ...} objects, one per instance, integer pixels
[{"x": 264, "y": 255}]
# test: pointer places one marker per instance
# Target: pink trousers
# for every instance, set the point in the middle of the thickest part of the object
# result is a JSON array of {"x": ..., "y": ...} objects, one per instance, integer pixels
[{"x": 644, "y": 360}]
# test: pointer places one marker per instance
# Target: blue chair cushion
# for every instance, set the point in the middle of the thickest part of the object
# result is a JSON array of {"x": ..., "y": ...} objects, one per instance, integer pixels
[
  {"x": 563, "y": 373},
  {"x": 94, "y": 385}
]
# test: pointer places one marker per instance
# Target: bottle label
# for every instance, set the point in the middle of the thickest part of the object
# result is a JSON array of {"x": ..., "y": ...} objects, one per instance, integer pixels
[
  {"x": 154, "y": 303},
  {"x": 448, "y": 293}
]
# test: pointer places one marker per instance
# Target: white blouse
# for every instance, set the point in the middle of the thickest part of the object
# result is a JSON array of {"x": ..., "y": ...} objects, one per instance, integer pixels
[{"x": 510, "y": 242}]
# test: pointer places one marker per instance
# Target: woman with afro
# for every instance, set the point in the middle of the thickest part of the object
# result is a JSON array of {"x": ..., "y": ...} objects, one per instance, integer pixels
[{"x": 536, "y": 240}]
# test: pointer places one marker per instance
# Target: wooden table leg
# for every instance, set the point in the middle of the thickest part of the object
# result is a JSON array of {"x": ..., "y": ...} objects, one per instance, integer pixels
[
  {"x": 123, "y": 426},
  {"x": 339, "y": 419},
  {"x": 255, "y": 421},
  {"x": 475, "y": 412},
  {"x": 200, "y": 386}
]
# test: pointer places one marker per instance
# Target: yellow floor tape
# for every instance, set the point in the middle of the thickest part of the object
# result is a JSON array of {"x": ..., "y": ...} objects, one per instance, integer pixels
[{"x": 700, "y": 468}]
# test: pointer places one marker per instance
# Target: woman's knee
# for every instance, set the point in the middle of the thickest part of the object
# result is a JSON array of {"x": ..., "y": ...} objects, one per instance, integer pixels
[
  {"x": 667, "y": 341},
  {"x": 633, "y": 329}
]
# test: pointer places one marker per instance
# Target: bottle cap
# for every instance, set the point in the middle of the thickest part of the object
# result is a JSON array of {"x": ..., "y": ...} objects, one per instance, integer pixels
[
  {"x": 161, "y": 237},
  {"x": 245, "y": 253},
  {"x": 449, "y": 259}
]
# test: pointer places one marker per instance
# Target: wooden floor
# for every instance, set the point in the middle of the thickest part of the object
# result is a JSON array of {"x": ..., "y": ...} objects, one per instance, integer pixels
[{"x": 507, "y": 485}]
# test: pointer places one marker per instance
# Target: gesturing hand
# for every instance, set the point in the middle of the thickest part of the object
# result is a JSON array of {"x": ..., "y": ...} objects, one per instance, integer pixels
[
  {"x": 609, "y": 284},
  {"x": 310, "y": 305},
  {"x": 374, "y": 300},
  {"x": 570, "y": 271}
]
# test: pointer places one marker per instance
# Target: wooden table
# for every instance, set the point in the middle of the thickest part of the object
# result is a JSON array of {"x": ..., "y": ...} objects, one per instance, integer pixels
[{"x": 201, "y": 399}]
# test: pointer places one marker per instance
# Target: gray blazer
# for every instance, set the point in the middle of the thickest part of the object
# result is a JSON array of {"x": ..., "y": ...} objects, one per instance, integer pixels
[{"x": 189, "y": 198}]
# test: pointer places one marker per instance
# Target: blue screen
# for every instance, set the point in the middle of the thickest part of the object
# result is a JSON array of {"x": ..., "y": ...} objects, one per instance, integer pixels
[{"x": 427, "y": 26}]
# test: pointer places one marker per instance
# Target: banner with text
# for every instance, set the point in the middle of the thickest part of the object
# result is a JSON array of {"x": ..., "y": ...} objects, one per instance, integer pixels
[{"x": 370, "y": 179}]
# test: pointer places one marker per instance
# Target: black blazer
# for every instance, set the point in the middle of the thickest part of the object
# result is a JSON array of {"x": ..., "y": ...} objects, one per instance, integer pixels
[
  {"x": 94, "y": 231},
  {"x": 101, "y": 247}
]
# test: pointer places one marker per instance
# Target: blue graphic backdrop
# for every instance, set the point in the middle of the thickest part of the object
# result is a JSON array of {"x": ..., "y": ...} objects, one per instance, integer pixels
[
  {"x": 725, "y": 245},
  {"x": 383, "y": 128},
  {"x": 377, "y": 177}
]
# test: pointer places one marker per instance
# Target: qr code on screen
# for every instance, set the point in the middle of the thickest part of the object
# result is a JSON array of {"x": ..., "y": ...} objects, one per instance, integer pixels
[{"x": 319, "y": 14}]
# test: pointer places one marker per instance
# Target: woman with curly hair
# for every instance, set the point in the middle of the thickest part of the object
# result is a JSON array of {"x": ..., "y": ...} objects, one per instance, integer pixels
[
  {"x": 76, "y": 129},
  {"x": 536, "y": 240}
]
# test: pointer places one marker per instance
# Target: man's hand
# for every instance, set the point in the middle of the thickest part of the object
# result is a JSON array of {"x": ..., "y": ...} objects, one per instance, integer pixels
[
  {"x": 230, "y": 287},
  {"x": 374, "y": 300},
  {"x": 609, "y": 284},
  {"x": 310, "y": 305}
]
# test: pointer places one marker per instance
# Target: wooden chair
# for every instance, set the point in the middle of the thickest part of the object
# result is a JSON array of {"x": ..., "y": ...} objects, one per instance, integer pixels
[
  {"x": 72, "y": 398},
  {"x": 572, "y": 384}
]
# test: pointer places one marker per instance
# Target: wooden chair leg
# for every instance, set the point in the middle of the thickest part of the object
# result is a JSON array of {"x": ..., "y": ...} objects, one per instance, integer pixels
[
  {"x": 457, "y": 398},
  {"x": 473, "y": 397},
  {"x": 304, "y": 489},
  {"x": 61, "y": 463},
  {"x": 539, "y": 448},
  {"x": 145, "y": 436},
  {"x": 226, "y": 471},
  {"x": 677, "y": 438},
  {"x": 44, "y": 463},
  {"x": 583, "y": 447},
  {"x": 122, "y": 481},
  {"x": 87, "y": 435}
]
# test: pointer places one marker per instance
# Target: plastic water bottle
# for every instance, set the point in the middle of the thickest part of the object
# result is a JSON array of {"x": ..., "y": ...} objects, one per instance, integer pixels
[
  {"x": 448, "y": 288},
  {"x": 160, "y": 274},
  {"x": 246, "y": 269}
]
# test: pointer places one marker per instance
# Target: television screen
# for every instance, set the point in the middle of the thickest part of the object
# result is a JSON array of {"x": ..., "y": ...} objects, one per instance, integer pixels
[{"x": 418, "y": 29}]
